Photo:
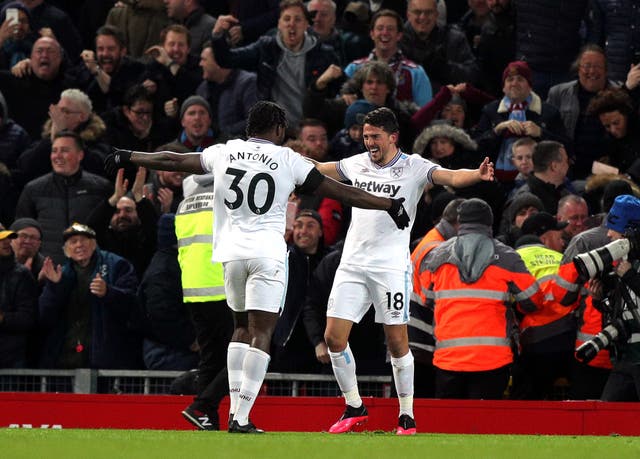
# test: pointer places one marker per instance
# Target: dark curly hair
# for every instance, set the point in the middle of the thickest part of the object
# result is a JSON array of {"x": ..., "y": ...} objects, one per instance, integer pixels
[
  {"x": 265, "y": 116},
  {"x": 611, "y": 100}
]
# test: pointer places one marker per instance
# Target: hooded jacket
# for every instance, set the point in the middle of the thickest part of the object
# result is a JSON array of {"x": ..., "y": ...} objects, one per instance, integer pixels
[
  {"x": 473, "y": 282},
  {"x": 263, "y": 57}
]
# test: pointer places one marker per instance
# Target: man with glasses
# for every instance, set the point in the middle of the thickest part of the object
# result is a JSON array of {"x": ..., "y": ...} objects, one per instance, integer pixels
[
  {"x": 133, "y": 125},
  {"x": 26, "y": 246},
  {"x": 443, "y": 51},
  {"x": 572, "y": 99},
  {"x": 18, "y": 303},
  {"x": 34, "y": 84}
]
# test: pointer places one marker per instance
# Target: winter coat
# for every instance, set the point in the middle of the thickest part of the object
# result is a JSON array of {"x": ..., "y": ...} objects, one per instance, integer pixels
[
  {"x": 543, "y": 114},
  {"x": 548, "y": 33},
  {"x": 614, "y": 26},
  {"x": 168, "y": 323},
  {"x": 263, "y": 57},
  {"x": 445, "y": 55},
  {"x": 233, "y": 99},
  {"x": 13, "y": 141},
  {"x": 463, "y": 156},
  {"x": 113, "y": 345},
  {"x": 141, "y": 21},
  {"x": 57, "y": 201},
  {"x": 28, "y": 98},
  {"x": 18, "y": 304}
]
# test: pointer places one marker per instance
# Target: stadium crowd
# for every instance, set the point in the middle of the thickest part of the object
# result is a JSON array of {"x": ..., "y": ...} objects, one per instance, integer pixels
[{"x": 89, "y": 271}]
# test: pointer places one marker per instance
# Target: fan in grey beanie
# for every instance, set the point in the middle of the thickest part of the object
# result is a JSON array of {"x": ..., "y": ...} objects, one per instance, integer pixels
[{"x": 194, "y": 100}]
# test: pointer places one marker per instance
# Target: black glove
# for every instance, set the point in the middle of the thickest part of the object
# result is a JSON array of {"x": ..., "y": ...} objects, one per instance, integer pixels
[
  {"x": 398, "y": 213},
  {"x": 116, "y": 160}
]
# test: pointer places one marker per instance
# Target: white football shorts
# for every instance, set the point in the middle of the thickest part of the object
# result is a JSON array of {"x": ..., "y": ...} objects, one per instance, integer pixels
[
  {"x": 255, "y": 284},
  {"x": 355, "y": 288}
]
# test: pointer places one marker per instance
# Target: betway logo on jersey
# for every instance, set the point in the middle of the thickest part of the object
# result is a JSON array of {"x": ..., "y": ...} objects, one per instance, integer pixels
[{"x": 373, "y": 187}]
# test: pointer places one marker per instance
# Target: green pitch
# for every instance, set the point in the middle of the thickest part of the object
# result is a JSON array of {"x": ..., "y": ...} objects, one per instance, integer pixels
[{"x": 116, "y": 444}]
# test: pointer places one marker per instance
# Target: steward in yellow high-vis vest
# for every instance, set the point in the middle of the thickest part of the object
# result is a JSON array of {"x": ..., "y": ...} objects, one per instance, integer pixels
[
  {"x": 202, "y": 279},
  {"x": 547, "y": 336},
  {"x": 203, "y": 292}
]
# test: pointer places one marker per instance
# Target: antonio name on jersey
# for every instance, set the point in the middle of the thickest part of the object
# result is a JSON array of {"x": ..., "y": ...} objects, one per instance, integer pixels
[
  {"x": 251, "y": 156},
  {"x": 374, "y": 187}
]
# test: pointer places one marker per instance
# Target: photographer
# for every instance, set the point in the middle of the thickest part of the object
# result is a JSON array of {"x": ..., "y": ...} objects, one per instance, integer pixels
[
  {"x": 623, "y": 221},
  {"x": 589, "y": 378}
]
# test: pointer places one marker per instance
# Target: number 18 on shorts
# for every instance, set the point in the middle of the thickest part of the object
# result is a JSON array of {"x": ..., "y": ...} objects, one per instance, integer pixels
[{"x": 355, "y": 288}]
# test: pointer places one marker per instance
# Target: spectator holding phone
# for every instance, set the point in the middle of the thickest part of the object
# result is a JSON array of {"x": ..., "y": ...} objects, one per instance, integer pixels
[{"x": 16, "y": 36}]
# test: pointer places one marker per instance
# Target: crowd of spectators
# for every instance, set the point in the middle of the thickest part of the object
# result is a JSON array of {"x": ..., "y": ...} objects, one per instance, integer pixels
[{"x": 549, "y": 91}]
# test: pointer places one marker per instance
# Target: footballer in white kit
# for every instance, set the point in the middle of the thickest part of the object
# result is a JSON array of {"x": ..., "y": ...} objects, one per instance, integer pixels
[
  {"x": 252, "y": 183},
  {"x": 376, "y": 264},
  {"x": 255, "y": 178}
]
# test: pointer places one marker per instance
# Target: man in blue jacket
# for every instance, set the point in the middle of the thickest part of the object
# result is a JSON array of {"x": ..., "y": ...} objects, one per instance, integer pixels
[{"x": 87, "y": 305}]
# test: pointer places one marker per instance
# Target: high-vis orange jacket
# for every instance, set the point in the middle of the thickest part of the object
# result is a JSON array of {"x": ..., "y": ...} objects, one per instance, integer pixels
[
  {"x": 570, "y": 290},
  {"x": 420, "y": 326},
  {"x": 428, "y": 242},
  {"x": 473, "y": 281}
]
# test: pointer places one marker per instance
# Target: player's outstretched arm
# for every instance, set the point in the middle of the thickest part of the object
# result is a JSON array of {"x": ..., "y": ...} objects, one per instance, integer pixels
[
  {"x": 162, "y": 160},
  {"x": 461, "y": 178},
  {"x": 359, "y": 198},
  {"x": 329, "y": 168}
]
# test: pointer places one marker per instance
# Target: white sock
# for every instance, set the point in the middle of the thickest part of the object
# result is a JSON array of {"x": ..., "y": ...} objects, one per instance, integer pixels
[
  {"x": 344, "y": 369},
  {"x": 403, "y": 369},
  {"x": 254, "y": 369},
  {"x": 235, "y": 357}
]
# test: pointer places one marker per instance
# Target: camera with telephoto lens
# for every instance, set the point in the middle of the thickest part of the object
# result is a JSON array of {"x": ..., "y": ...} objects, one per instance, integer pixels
[
  {"x": 612, "y": 332},
  {"x": 599, "y": 261},
  {"x": 620, "y": 312}
]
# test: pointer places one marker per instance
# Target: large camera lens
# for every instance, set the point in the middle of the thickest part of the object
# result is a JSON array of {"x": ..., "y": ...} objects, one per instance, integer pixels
[
  {"x": 587, "y": 351},
  {"x": 591, "y": 263}
]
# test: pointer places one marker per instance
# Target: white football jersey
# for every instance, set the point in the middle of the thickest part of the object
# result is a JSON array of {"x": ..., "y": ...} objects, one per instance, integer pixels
[
  {"x": 373, "y": 238},
  {"x": 252, "y": 183}
]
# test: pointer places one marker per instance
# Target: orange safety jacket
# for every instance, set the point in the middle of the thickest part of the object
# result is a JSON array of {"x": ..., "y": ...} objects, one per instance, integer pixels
[
  {"x": 473, "y": 282},
  {"x": 552, "y": 319},
  {"x": 571, "y": 291},
  {"x": 420, "y": 326},
  {"x": 428, "y": 242}
]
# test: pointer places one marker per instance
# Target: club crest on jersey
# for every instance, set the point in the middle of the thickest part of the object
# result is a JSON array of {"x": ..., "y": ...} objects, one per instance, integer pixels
[{"x": 396, "y": 172}]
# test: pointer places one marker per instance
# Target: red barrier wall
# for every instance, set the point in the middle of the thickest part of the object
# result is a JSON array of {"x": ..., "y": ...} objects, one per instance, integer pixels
[{"x": 311, "y": 414}]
